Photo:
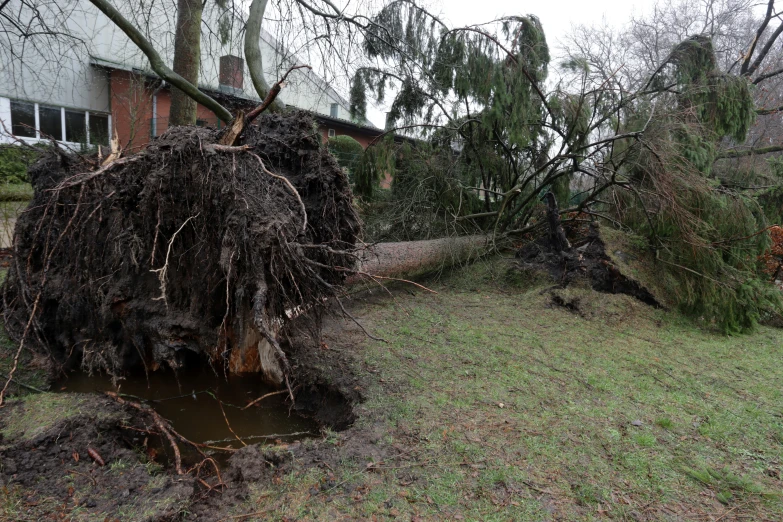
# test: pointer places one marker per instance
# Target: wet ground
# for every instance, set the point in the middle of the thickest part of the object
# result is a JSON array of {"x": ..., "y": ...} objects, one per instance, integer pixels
[{"x": 191, "y": 401}]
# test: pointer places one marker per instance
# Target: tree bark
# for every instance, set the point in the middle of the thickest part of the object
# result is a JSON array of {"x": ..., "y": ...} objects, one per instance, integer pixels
[
  {"x": 157, "y": 63},
  {"x": 557, "y": 236},
  {"x": 187, "y": 53}
]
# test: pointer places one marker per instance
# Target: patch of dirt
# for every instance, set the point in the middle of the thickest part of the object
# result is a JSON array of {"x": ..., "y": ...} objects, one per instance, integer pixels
[
  {"x": 585, "y": 260},
  {"x": 51, "y": 468},
  {"x": 38, "y": 464}
]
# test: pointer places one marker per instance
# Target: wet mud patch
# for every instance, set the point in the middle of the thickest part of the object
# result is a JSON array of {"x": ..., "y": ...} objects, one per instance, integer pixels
[
  {"x": 71, "y": 455},
  {"x": 46, "y": 466},
  {"x": 195, "y": 400}
]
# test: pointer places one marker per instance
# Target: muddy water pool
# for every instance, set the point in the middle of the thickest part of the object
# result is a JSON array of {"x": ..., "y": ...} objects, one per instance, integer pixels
[{"x": 189, "y": 400}]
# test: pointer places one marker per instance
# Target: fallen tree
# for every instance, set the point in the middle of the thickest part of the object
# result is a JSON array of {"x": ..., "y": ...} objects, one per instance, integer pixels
[{"x": 188, "y": 247}]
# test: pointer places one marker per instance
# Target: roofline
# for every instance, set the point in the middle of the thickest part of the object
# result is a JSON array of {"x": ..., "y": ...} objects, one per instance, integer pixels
[{"x": 322, "y": 118}]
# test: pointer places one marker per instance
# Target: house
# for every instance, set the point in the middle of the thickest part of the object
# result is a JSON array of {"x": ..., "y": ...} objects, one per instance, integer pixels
[{"x": 104, "y": 84}]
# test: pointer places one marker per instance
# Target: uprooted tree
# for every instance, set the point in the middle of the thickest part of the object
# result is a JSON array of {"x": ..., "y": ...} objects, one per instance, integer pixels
[
  {"x": 210, "y": 241},
  {"x": 643, "y": 154},
  {"x": 207, "y": 242}
]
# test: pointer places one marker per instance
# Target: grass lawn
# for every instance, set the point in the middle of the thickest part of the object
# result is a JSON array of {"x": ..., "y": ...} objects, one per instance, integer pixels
[
  {"x": 16, "y": 192},
  {"x": 494, "y": 404}
]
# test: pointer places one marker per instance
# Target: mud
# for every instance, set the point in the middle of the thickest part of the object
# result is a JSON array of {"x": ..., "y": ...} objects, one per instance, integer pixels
[
  {"x": 52, "y": 472},
  {"x": 138, "y": 481}
]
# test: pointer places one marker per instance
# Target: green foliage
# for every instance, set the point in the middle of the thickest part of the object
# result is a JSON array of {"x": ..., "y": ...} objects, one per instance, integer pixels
[
  {"x": 369, "y": 170},
  {"x": 358, "y": 98},
  {"x": 428, "y": 190},
  {"x": 347, "y": 151},
  {"x": 15, "y": 160},
  {"x": 705, "y": 235}
]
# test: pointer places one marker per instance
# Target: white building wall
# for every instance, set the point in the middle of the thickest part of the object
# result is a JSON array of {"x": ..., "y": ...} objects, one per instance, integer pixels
[{"x": 62, "y": 75}]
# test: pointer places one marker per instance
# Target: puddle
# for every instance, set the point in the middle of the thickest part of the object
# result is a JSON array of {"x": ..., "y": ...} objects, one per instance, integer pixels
[{"x": 189, "y": 401}]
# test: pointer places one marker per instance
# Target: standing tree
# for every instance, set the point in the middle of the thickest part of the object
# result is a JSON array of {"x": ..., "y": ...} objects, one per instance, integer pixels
[{"x": 187, "y": 56}]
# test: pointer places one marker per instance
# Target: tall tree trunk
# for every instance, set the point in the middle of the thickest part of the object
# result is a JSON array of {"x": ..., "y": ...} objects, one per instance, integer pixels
[{"x": 187, "y": 51}]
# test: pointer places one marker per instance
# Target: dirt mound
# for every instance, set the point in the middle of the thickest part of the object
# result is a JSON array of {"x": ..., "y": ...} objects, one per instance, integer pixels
[
  {"x": 185, "y": 248},
  {"x": 582, "y": 258},
  {"x": 47, "y": 469}
]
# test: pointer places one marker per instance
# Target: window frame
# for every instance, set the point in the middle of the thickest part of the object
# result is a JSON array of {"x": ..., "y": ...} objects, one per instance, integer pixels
[
  {"x": 331, "y": 133},
  {"x": 61, "y": 139}
]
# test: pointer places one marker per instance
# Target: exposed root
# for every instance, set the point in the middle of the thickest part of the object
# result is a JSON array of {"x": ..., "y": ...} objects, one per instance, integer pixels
[
  {"x": 231, "y": 227},
  {"x": 161, "y": 424}
]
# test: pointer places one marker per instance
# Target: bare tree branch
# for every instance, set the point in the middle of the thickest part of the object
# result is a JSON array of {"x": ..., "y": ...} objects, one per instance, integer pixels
[
  {"x": 759, "y": 32},
  {"x": 253, "y": 57}
]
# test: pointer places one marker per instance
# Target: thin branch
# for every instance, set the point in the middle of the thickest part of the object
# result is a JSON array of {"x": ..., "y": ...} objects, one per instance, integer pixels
[
  {"x": 271, "y": 98},
  {"x": 256, "y": 401},
  {"x": 759, "y": 32}
]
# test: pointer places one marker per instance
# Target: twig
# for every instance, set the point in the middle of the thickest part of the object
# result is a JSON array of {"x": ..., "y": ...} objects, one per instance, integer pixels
[
  {"x": 290, "y": 186},
  {"x": 160, "y": 423},
  {"x": 256, "y": 401},
  {"x": 394, "y": 279},
  {"x": 273, "y": 92},
  {"x": 78, "y": 179},
  {"x": 227, "y": 423},
  {"x": 23, "y": 385},
  {"x": 94, "y": 482},
  {"x": 38, "y": 297},
  {"x": 368, "y": 334},
  {"x": 161, "y": 272}
]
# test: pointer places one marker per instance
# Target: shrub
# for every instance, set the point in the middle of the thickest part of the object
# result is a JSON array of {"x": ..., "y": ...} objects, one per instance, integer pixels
[
  {"x": 348, "y": 152},
  {"x": 15, "y": 160}
]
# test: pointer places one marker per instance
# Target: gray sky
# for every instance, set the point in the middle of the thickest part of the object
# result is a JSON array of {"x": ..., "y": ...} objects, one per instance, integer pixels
[{"x": 556, "y": 16}]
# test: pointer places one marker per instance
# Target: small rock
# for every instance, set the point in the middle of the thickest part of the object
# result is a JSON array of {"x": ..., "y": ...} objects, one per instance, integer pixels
[
  {"x": 637, "y": 423},
  {"x": 501, "y": 405}
]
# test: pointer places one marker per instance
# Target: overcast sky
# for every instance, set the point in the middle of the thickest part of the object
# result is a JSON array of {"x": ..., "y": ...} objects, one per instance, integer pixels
[{"x": 556, "y": 16}]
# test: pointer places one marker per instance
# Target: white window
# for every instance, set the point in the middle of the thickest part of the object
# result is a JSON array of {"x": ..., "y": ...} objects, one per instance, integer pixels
[
  {"x": 334, "y": 110},
  {"x": 331, "y": 133},
  {"x": 37, "y": 121}
]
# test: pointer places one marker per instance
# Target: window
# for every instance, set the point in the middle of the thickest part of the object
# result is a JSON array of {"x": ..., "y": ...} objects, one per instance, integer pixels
[
  {"x": 23, "y": 119},
  {"x": 99, "y": 129},
  {"x": 334, "y": 110},
  {"x": 31, "y": 120},
  {"x": 75, "y": 127},
  {"x": 331, "y": 133},
  {"x": 50, "y": 120}
]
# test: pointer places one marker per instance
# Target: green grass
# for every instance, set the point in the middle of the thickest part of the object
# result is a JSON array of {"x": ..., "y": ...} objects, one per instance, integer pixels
[
  {"x": 565, "y": 443},
  {"x": 40, "y": 412},
  {"x": 16, "y": 192}
]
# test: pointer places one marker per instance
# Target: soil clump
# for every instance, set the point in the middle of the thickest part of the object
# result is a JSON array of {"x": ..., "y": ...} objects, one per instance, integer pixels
[{"x": 582, "y": 258}]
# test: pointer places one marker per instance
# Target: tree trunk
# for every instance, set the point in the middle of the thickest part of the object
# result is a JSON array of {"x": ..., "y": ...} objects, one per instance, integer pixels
[{"x": 187, "y": 51}]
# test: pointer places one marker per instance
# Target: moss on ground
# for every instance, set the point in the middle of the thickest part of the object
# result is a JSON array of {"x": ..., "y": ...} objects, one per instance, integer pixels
[{"x": 499, "y": 404}]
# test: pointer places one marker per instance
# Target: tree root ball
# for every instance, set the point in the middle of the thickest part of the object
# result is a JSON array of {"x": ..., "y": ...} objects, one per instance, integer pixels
[{"x": 184, "y": 248}]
